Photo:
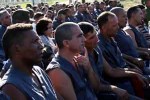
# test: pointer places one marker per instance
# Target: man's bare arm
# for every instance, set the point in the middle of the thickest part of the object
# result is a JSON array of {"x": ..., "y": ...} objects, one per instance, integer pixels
[
  {"x": 62, "y": 84},
  {"x": 13, "y": 92}
]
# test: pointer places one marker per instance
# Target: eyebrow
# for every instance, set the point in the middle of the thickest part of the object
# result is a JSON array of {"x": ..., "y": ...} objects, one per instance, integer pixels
[
  {"x": 92, "y": 36},
  {"x": 81, "y": 34}
]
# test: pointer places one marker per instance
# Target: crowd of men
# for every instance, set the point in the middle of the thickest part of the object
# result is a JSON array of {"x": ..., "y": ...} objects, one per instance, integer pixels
[{"x": 80, "y": 51}]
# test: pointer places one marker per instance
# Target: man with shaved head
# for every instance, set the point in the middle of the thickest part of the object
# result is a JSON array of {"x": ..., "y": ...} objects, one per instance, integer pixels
[{"x": 65, "y": 70}]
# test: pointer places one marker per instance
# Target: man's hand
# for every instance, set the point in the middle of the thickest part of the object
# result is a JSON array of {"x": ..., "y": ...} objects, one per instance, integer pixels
[
  {"x": 123, "y": 94},
  {"x": 139, "y": 77},
  {"x": 83, "y": 60},
  {"x": 134, "y": 70},
  {"x": 140, "y": 63}
]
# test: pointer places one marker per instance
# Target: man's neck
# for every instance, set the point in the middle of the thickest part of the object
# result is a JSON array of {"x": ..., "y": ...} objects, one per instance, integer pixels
[
  {"x": 90, "y": 50},
  {"x": 131, "y": 22},
  {"x": 67, "y": 55},
  {"x": 105, "y": 35},
  {"x": 22, "y": 66}
]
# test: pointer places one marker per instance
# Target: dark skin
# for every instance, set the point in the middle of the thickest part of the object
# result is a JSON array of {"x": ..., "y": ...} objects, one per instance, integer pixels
[{"x": 24, "y": 62}]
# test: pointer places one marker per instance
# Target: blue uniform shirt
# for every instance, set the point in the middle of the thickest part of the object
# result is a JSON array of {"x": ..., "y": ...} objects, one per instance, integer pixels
[
  {"x": 81, "y": 86},
  {"x": 71, "y": 19},
  {"x": 27, "y": 85},
  {"x": 114, "y": 57},
  {"x": 80, "y": 17},
  {"x": 97, "y": 64},
  {"x": 56, "y": 23},
  {"x": 2, "y": 31},
  {"x": 125, "y": 44},
  {"x": 139, "y": 37},
  {"x": 111, "y": 52}
]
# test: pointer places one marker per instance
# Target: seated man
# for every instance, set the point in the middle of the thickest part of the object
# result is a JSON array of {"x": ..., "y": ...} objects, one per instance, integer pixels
[
  {"x": 123, "y": 39},
  {"x": 108, "y": 24},
  {"x": 19, "y": 16},
  {"x": 96, "y": 60},
  {"x": 125, "y": 42},
  {"x": 108, "y": 28},
  {"x": 135, "y": 17},
  {"x": 99, "y": 64},
  {"x": 79, "y": 13},
  {"x": 59, "y": 19},
  {"x": 144, "y": 27},
  {"x": 71, "y": 73},
  {"x": 23, "y": 80},
  {"x": 5, "y": 20}
]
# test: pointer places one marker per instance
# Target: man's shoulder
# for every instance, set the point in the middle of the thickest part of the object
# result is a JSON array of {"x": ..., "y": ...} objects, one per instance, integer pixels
[
  {"x": 35, "y": 67},
  {"x": 2, "y": 27},
  {"x": 11, "y": 77},
  {"x": 53, "y": 64},
  {"x": 61, "y": 63},
  {"x": 103, "y": 40},
  {"x": 127, "y": 28}
]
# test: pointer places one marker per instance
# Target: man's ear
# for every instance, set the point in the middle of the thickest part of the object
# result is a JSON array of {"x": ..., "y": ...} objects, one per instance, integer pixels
[
  {"x": 133, "y": 15},
  {"x": 66, "y": 43},
  {"x": 16, "y": 48},
  {"x": 103, "y": 27}
]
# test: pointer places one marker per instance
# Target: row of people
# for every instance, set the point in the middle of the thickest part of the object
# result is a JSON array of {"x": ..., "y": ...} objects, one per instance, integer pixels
[{"x": 75, "y": 72}]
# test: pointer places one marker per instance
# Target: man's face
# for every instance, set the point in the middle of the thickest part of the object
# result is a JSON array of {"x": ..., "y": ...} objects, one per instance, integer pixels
[
  {"x": 72, "y": 9},
  {"x": 144, "y": 13},
  {"x": 81, "y": 8},
  {"x": 102, "y": 6},
  {"x": 84, "y": 7},
  {"x": 49, "y": 15},
  {"x": 45, "y": 10},
  {"x": 91, "y": 9},
  {"x": 148, "y": 3},
  {"x": 31, "y": 50},
  {"x": 111, "y": 26},
  {"x": 122, "y": 18},
  {"x": 76, "y": 44},
  {"x": 139, "y": 17},
  {"x": 91, "y": 40},
  {"x": 63, "y": 17},
  {"x": 69, "y": 12},
  {"x": 6, "y": 20}
]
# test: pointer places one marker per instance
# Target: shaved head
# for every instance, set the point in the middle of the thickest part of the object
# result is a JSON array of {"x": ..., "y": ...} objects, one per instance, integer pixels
[{"x": 117, "y": 10}]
